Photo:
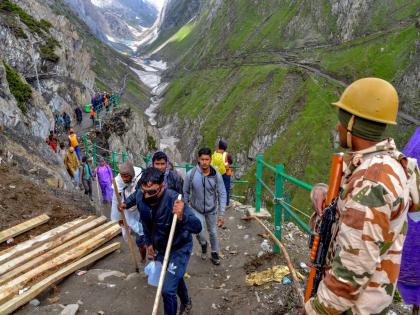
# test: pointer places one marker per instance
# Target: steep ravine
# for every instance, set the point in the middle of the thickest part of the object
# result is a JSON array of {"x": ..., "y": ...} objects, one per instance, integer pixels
[
  {"x": 151, "y": 75},
  {"x": 263, "y": 76}
]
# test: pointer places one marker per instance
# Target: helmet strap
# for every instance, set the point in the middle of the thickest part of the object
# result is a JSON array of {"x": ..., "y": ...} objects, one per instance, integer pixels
[{"x": 349, "y": 130}]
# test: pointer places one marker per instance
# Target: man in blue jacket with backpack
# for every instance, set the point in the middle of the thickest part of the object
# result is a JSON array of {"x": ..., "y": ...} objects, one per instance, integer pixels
[{"x": 157, "y": 205}]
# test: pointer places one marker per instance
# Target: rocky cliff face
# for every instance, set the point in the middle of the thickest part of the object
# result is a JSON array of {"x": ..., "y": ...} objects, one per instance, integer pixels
[
  {"x": 179, "y": 12},
  {"x": 128, "y": 131},
  {"x": 45, "y": 68}
]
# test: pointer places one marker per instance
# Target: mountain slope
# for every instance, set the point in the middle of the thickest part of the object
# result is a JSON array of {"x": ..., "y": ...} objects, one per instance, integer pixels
[
  {"x": 119, "y": 23},
  {"x": 50, "y": 63},
  {"x": 263, "y": 75}
]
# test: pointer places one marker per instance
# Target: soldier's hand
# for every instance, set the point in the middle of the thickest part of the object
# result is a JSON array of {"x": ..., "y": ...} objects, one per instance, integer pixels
[
  {"x": 121, "y": 207},
  {"x": 178, "y": 209},
  {"x": 318, "y": 196}
]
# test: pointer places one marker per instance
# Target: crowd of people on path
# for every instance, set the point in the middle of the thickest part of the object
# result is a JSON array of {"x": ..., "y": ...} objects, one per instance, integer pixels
[
  {"x": 79, "y": 167},
  {"x": 380, "y": 190},
  {"x": 150, "y": 198}
]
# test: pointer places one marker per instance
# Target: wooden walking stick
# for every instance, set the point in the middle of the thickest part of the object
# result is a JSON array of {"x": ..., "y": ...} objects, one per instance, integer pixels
[
  {"x": 97, "y": 187},
  {"x": 131, "y": 246},
  {"x": 165, "y": 262}
]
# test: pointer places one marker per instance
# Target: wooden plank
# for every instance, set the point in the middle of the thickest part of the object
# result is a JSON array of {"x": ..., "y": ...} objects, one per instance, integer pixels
[
  {"x": 8, "y": 290},
  {"x": 37, "y": 241},
  {"x": 23, "y": 227},
  {"x": 25, "y": 262},
  {"x": 39, "y": 287}
]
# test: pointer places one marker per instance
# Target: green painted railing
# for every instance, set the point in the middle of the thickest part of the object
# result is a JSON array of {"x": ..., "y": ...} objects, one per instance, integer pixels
[{"x": 281, "y": 207}]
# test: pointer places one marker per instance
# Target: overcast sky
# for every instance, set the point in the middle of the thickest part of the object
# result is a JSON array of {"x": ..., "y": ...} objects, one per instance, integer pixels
[{"x": 157, "y": 3}]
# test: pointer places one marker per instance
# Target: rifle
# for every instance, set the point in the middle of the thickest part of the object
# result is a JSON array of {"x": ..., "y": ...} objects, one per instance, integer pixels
[{"x": 321, "y": 239}]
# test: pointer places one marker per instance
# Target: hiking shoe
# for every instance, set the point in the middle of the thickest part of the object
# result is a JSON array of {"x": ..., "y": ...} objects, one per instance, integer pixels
[
  {"x": 185, "y": 309},
  {"x": 215, "y": 258},
  {"x": 204, "y": 251}
]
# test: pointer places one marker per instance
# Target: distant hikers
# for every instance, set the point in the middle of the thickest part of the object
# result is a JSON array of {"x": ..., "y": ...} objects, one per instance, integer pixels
[
  {"x": 67, "y": 121},
  {"x": 222, "y": 161},
  {"x": 106, "y": 103},
  {"x": 52, "y": 141},
  {"x": 172, "y": 179},
  {"x": 104, "y": 173},
  {"x": 74, "y": 143},
  {"x": 92, "y": 114},
  {"x": 157, "y": 206},
  {"x": 87, "y": 177},
  {"x": 127, "y": 181},
  {"x": 62, "y": 151},
  {"x": 205, "y": 191},
  {"x": 79, "y": 115},
  {"x": 72, "y": 165}
]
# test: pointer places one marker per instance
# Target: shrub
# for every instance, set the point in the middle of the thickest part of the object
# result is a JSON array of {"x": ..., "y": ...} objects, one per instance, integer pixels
[
  {"x": 12, "y": 23},
  {"x": 47, "y": 50},
  {"x": 8, "y": 7},
  {"x": 20, "y": 90}
]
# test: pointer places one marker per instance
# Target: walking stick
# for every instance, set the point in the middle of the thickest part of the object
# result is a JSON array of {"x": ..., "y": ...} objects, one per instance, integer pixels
[
  {"x": 127, "y": 232},
  {"x": 165, "y": 262},
  {"x": 97, "y": 187}
]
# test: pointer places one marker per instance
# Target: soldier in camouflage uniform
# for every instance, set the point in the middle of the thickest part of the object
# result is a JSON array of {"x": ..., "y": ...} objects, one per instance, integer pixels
[{"x": 379, "y": 186}]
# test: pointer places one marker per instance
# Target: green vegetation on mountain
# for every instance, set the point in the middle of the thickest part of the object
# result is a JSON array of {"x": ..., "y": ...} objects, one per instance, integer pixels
[
  {"x": 19, "y": 89},
  {"x": 38, "y": 27},
  {"x": 263, "y": 77}
]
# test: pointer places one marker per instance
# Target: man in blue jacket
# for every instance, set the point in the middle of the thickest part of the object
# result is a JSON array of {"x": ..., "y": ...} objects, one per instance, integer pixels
[
  {"x": 205, "y": 191},
  {"x": 157, "y": 205}
]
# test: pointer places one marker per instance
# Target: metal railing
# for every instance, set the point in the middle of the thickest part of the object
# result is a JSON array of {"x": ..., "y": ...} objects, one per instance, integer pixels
[{"x": 282, "y": 207}]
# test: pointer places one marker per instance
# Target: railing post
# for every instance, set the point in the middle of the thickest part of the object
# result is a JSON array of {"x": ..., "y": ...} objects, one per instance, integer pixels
[
  {"x": 258, "y": 186},
  {"x": 188, "y": 167},
  {"x": 278, "y": 208},
  {"x": 94, "y": 156},
  {"x": 124, "y": 156},
  {"x": 147, "y": 159},
  {"x": 114, "y": 162}
]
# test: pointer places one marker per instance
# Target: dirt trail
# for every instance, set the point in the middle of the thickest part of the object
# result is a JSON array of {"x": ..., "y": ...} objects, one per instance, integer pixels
[{"x": 213, "y": 289}]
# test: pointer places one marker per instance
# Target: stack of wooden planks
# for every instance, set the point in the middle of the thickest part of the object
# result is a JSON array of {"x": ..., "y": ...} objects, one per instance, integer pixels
[{"x": 30, "y": 267}]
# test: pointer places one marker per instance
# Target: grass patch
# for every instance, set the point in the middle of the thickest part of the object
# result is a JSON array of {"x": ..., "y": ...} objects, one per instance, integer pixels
[
  {"x": 38, "y": 27},
  {"x": 305, "y": 147},
  {"x": 386, "y": 57},
  {"x": 13, "y": 24},
  {"x": 47, "y": 50},
  {"x": 19, "y": 89}
]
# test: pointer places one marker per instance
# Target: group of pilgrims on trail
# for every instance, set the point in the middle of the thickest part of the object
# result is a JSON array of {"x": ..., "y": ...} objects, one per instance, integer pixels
[{"x": 367, "y": 259}]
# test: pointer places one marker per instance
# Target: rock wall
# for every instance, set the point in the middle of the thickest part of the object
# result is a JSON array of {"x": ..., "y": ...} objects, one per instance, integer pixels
[
  {"x": 61, "y": 86},
  {"x": 128, "y": 131}
]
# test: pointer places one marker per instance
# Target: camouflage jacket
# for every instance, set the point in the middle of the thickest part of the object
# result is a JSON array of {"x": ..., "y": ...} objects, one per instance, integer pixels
[{"x": 379, "y": 186}]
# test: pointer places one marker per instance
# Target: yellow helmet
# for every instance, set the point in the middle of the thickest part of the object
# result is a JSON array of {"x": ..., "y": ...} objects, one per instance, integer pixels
[{"x": 371, "y": 98}]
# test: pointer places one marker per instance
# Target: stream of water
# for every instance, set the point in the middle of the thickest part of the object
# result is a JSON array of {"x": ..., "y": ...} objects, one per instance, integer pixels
[{"x": 151, "y": 76}]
